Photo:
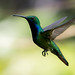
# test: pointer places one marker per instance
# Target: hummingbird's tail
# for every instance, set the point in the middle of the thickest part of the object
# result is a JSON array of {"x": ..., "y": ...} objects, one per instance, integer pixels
[
  {"x": 60, "y": 56},
  {"x": 55, "y": 50}
]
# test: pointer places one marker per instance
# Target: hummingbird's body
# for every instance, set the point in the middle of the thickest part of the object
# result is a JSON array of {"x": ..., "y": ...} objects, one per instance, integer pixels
[{"x": 44, "y": 37}]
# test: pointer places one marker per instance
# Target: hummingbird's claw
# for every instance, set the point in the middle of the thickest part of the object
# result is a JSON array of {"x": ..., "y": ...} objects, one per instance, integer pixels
[{"x": 44, "y": 53}]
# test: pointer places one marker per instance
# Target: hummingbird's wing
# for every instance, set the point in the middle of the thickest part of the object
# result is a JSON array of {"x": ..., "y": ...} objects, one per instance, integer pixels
[
  {"x": 57, "y": 30},
  {"x": 53, "y": 25}
]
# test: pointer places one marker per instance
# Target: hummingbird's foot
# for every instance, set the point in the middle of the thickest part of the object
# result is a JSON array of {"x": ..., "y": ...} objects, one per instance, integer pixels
[{"x": 44, "y": 53}]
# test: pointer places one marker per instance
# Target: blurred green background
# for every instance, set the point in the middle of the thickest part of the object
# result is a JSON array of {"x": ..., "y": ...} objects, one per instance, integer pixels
[{"x": 18, "y": 54}]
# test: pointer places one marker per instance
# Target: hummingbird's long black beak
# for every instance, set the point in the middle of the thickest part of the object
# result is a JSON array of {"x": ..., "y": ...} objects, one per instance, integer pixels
[{"x": 20, "y": 16}]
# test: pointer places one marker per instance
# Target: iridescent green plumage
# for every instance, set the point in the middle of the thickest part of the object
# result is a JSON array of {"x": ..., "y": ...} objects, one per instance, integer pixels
[{"x": 44, "y": 37}]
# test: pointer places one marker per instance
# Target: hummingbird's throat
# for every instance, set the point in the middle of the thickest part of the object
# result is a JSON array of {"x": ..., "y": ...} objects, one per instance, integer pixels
[{"x": 35, "y": 29}]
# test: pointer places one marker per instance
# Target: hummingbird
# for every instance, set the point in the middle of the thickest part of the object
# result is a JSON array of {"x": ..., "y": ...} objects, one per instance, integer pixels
[{"x": 44, "y": 37}]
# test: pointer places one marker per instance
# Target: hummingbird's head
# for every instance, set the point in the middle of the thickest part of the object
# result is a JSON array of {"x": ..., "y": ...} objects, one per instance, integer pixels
[{"x": 30, "y": 19}]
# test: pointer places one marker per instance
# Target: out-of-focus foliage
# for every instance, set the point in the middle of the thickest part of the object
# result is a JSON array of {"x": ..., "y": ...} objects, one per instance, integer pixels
[{"x": 18, "y": 54}]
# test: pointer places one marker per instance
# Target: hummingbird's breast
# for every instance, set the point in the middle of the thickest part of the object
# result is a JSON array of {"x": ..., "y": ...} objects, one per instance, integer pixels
[
  {"x": 41, "y": 41},
  {"x": 37, "y": 37}
]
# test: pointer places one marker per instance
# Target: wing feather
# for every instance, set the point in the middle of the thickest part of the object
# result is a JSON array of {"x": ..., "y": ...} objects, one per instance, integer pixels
[
  {"x": 56, "y": 30},
  {"x": 60, "y": 29},
  {"x": 53, "y": 25}
]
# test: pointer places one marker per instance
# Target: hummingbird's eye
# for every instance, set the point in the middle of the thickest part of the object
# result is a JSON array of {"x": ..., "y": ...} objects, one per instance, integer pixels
[{"x": 32, "y": 18}]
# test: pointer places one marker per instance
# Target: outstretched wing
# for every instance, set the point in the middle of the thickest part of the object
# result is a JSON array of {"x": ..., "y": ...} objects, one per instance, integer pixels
[
  {"x": 60, "y": 29},
  {"x": 53, "y": 25},
  {"x": 57, "y": 30}
]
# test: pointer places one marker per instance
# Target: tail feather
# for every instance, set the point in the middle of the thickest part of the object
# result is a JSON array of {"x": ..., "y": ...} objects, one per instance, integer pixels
[
  {"x": 63, "y": 60},
  {"x": 55, "y": 50},
  {"x": 60, "y": 56}
]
